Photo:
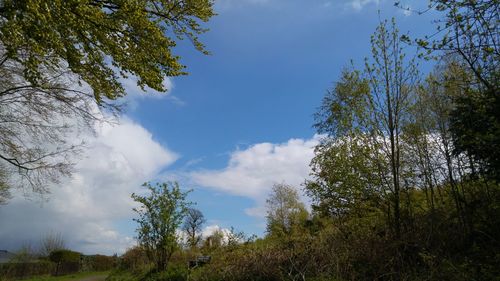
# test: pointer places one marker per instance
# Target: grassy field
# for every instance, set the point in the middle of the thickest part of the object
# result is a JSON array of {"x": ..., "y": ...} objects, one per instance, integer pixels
[{"x": 71, "y": 277}]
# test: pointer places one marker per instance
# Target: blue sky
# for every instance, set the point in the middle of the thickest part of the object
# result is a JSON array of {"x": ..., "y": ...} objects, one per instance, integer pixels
[{"x": 239, "y": 122}]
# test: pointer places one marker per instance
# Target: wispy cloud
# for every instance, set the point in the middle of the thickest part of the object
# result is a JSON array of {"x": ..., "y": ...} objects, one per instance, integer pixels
[{"x": 360, "y": 4}]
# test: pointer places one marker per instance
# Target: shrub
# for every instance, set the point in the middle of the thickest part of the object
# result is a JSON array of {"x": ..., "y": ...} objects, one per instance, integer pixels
[
  {"x": 134, "y": 258},
  {"x": 67, "y": 261}
]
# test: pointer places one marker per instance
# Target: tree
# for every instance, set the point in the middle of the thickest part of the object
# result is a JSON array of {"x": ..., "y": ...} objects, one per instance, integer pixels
[
  {"x": 100, "y": 40},
  {"x": 470, "y": 33},
  {"x": 347, "y": 165},
  {"x": 284, "y": 210},
  {"x": 192, "y": 226},
  {"x": 469, "y": 30},
  {"x": 4, "y": 188},
  {"x": 160, "y": 215},
  {"x": 50, "y": 243},
  {"x": 39, "y": 125},
  {"x": 362, "y": 158},
  {"x": 214, "y": 240},
  {"x": 61, "y": 257},
  {"x": 392, "y": 81},
  {"x": 60, "y": 65}
]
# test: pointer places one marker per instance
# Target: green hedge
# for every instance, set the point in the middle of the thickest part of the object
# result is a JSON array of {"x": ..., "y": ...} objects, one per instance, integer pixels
[{"x": 26, "y": 269}]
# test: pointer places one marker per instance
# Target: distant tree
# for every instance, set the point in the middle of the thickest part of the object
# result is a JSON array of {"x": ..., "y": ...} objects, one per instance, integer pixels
[
  {"x": 26, "y": 253},
  {"x": 235, "y": 237},
  {"x": 284, "y": 210},
  {"x": 214, "y": 240},
  {"x": 51, "y": 242},
  {"x": 160, "y": 215},
  {"x": 192, "y": 226}
]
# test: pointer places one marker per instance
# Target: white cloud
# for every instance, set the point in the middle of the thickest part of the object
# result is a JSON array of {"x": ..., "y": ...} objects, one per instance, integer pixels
[
  {"x": 360, "y": 4},
  {"x": 132, "y": 89},
  {"x": 252, "y": 172},
  {"x": 86, "y": 207},
  {"x": 134, "y": 93}
]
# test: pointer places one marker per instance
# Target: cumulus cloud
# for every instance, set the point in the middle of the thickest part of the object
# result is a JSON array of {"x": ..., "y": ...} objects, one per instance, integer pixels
[
  {"x": 252, "y": 172},
  {"x": 86, "y": 207}
]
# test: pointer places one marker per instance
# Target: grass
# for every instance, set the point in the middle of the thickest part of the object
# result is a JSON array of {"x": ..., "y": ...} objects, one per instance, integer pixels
[{"x": 70, "y": 277}]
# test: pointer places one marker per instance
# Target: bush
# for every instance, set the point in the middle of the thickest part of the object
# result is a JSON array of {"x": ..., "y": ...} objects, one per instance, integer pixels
[
  {"x": 67, "y": 262},
  {"x": 20, "y": 270},
  {"x": 98, "y": 263},
  {"x": 134, "y": 258},
  {"x": 58, "y": 256},
  {"x": 173, "y": 273}
]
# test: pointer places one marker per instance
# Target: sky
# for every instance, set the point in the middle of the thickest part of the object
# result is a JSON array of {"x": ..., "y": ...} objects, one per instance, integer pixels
[{"x": 240, "y": 122}]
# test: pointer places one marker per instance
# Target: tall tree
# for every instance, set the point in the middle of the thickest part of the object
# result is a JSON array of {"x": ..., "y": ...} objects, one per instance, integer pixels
[
  {"x": 363, "y": 118},
  {"x": 392, "y": 80},
  {"x": 192, "y": 226},
  {"x": 160, "y": 215}
]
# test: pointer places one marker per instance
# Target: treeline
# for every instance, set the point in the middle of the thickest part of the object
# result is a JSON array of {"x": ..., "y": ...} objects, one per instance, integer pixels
[{"x": 58, "y": 263}]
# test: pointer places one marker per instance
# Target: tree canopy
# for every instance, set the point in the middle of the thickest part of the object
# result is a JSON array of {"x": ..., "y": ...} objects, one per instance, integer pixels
[{"x": 101, "y": 40}]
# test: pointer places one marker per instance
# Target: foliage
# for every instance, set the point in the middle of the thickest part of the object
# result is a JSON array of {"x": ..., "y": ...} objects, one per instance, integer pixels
[
  {"x": 102, "y": 262},
  {"x": 363, "y": 118},
  {"x": 160, "y": 215},
  {"x": 67, "y": 261},
  {"x": 284, "y": 210},
  {"x": 95, "y": 38},
  {"x": 17, "y": 270},
  {"x": 213, "y": 241},
  {"x": 134, "y": 259},
  {"x": 392, "y": 160},
  {"x": 469, "y": 29},
  {"x": 59, "y": 256},
  {"x": 469, "y": 32}
]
